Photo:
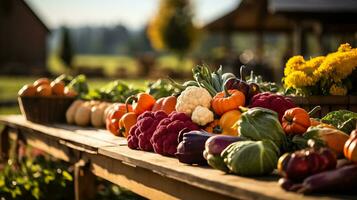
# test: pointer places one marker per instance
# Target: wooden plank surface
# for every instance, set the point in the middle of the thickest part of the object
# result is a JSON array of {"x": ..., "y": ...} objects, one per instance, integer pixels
[
  {"x": 206, "y": 177},
  {"x": 89, "y": 137}
]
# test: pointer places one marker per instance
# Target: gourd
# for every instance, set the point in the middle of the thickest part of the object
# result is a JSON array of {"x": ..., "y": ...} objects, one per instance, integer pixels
[
  {"x": 227, "y": 100},
  {"x": 82, "y": 116},
  {"x": 71, "y": 111},
  {"x": 97, "y": 113},
  {"x": 295, "y": 121},
  {"x": 332, "y": 138},
  {"x": 350, "y": 148}
]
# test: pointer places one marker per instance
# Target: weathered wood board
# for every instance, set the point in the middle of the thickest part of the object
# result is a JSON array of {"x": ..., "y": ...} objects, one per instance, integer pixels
[
  {"x": 90, "y": 138},
  {"x": 205, "y": 177}
]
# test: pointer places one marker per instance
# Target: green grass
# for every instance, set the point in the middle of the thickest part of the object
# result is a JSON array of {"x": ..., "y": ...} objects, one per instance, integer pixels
[{"x": 111, "y": 63}]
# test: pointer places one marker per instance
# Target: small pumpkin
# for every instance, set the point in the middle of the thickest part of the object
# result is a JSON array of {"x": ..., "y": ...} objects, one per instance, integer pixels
[
  {"x": 350, "y": 148},
  {"x": 128, "y": 120},
  {"x": 114, "y": 115},
  {"x": 166, "y": 104},
  {"x": 142, "y": 102},
  {"x": 227, "y": 100},
  {"x": 295, "y": 121}
]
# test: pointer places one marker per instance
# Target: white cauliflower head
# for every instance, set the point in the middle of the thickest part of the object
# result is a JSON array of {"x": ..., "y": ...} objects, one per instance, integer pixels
[
  {"x": 192, "y": 97},
  {"x": 202, "y": 116}
]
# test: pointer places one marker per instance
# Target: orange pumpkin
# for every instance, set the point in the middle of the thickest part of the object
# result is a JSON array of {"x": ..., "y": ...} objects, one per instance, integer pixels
[
  {"x": 114, "y": 115},
  {"x": 142, "y": 102},
  {"x": 166, "y": 104},
  {"x": 227, "y": 100},
  {"x": 350, "y": 148},
  {"x": 295, "y": 121}
]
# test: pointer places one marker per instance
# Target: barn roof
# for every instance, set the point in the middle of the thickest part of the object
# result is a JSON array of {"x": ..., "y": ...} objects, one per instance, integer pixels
[
  {"x": 317, "y": 6},
  {"x": 35, "y": 15},
  {"x": 279, "y": 15},
  {"x": 250, "y": 15}
]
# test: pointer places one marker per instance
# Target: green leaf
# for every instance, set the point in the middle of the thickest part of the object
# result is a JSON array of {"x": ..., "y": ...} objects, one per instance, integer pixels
[{"x": 67, "y": 176}]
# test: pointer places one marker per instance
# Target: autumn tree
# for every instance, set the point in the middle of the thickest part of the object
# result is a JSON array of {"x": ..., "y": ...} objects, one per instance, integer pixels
[{"x": 172, "y": 27}]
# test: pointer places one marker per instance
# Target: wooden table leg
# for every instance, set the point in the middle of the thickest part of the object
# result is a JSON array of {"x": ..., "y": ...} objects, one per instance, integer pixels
[
  {"x": 84, "y": 181},
  {"x": 4, "y": 144}
]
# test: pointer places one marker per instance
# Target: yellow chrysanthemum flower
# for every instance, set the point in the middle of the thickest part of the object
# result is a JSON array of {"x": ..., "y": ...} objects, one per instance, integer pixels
[
  {"x": 298, "y": 79},
  {"x": 313, "y": 64},
  {"x": 338, "y": 65},
  {"x": 344, "y": 47},
  {"x": 293, "y": 64},
  {"x": 339, "y": 90}
]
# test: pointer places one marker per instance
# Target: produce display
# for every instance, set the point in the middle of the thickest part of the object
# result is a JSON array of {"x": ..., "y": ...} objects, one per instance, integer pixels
[{"x": 235, "y": 125}]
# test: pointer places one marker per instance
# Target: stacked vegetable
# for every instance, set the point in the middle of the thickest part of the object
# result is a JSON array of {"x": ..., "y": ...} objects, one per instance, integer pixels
[
  {"x": 227, "y": 123},
  {"x": 61, "y": 86}
]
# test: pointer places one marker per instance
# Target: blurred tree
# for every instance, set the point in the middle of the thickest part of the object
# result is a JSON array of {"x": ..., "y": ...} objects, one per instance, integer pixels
[
  {"x": 172, "y": 27},
  {"x": 66, "y": 50}
]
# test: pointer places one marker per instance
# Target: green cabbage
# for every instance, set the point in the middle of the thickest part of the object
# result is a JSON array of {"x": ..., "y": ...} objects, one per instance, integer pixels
[
  {"x": 251, "y": 158},
  {"x": 262, "y": 124}
]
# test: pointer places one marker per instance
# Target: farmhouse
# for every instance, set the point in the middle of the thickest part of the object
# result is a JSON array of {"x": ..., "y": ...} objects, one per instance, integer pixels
[{"x": 22, "y": 39}]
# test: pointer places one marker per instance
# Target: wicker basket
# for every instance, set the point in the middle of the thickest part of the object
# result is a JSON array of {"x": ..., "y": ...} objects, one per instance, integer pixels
[
  {"x": 45, "y": 109},
  {"x": 327, "y": 103}
]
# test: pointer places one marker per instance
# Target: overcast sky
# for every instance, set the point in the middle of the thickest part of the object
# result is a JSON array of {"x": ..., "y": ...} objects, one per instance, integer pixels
[{"x": 132, "y": 13}]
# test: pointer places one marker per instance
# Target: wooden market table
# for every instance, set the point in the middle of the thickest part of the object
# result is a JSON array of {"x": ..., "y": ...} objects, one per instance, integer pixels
[{"x": 96, "y": 152}]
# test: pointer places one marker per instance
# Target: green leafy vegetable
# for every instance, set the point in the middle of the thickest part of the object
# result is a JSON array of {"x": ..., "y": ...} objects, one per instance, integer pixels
[
  {"x": 251, "y": 158},
  {"x": 262, "y": 124},
  {"x": 80, "y": 85},
  {"x": 115, "y": 91},
  {"x": 161, "y": 88},
  {"x": 344, "y": 120}
]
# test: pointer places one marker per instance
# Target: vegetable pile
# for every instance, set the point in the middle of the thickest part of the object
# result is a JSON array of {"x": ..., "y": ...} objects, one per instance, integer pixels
[{"x": 231, "y": 124}]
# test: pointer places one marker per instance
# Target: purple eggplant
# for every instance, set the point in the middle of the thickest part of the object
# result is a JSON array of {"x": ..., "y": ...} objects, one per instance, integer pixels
[
  {"x": 191, "y": 147},
  {"x": 216, "y": 144},
  {"x": 214, "y": 147},
  {"x": 343, "y": 179}
]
